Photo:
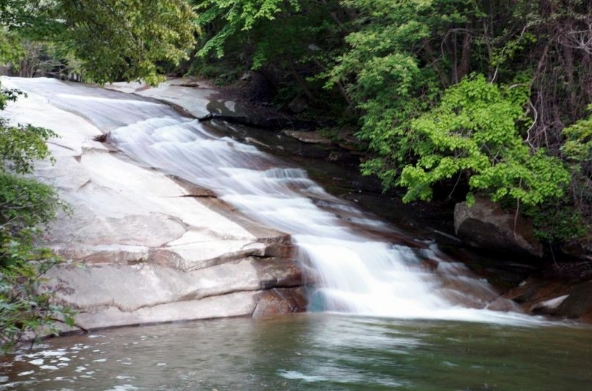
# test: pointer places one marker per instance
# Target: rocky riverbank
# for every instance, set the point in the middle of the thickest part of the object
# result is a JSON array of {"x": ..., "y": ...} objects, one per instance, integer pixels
[
  {"x": 148, "y": 248},
  {"x": 145, "y": 247},
  {"x": 488, "y": 240}
]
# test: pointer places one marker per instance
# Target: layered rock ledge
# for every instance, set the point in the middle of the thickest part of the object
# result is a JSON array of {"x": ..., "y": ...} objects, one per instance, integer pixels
[{"x": 146, "y": 247}]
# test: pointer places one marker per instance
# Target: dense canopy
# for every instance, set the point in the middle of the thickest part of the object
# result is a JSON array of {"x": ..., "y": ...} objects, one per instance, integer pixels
[
  {"x": 472, "y": 96},
  {"x": 112, "y": 39}
]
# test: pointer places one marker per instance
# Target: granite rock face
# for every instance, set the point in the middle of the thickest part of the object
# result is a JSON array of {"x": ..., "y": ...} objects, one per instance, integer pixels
[{"x": 145, "y": 247}]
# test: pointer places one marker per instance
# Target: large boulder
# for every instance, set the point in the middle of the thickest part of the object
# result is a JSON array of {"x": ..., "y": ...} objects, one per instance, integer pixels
[
  {"x": 486, "y": 225},
  {"x": 578, "y": 249}
]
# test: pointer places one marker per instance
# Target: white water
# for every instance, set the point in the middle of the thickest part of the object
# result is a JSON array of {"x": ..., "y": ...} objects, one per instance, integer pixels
[{"x": 359, "y": 271}]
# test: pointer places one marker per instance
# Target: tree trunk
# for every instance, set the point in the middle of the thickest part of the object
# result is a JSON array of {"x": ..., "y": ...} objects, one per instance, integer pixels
[{"x": 465, "y": 60}]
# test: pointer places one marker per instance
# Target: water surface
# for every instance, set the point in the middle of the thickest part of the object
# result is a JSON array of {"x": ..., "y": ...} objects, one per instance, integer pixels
[{"x": 311, "y": 352}]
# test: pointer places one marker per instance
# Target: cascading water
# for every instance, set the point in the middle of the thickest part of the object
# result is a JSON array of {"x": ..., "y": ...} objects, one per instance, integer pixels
[{"x": 359, "y": 271}]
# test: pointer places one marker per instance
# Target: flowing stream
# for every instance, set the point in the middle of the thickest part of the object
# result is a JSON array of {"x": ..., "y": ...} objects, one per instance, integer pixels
[
  {"x": 411, "y": 314},
  {"x": 358, "y": 269}
]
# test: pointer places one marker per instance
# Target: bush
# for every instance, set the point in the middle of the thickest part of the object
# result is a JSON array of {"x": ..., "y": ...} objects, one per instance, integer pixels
[
  {"x": 475, "y": 133},
  {"x": 26, "y": 309}
]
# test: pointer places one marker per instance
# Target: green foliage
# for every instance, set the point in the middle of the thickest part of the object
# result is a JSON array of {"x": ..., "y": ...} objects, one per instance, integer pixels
[
  {"x": 238, "y": 16},
  {"x": 381, "y": 54},
  {"x": 386, "y": 80},
  {"x": 427, "y": 124},
  {"x": 25, "y": 308},
  {"x": 21, "y": 145},
  {"x": 578, "y": 147},
  {"x": 11, "y": 49},
  {"x": 29, "y": 17},
  {"x": 475, "y": 131},
  {"x": 293, "y": 42},
  {"x": 558, "y": 222},
  {"x": 30, "y": 30},
  {"x": 134, "y": 36},
  {"x": 114, "y": 39},
  {"x": 25, "y": 202},
  {"x": 8, "y": 96},
  {"x": 219, "y": 72}
]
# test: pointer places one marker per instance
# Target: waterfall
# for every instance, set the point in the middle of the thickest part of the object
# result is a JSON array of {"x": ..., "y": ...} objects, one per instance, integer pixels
[{"x": 357, "y": 269}]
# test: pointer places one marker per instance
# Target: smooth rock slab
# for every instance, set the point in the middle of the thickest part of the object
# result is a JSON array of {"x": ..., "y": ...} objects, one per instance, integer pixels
[
  {"x": 142, "y": 292},
  {"x": 195, "y": 100},
  {"x": 232, "y": 305},
  {"x": 147, "y": 249}
]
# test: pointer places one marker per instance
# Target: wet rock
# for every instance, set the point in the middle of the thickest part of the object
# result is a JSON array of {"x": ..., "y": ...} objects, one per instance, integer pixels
[
  {"x": 230, "y": 305},
  {"x": 346, "y": 139},
  {"x": 279, "y": 273},
  {"x": 578, "y": 304},
  {"x": 468, "y": 292},
  {"x": 564, "y": 299},
  {"x": 192, "y": 189},
  {"x": 458, "y": 298},
  {"x": 190, "y": 84},
  {"x": 533, "y": 291},
  {"x": 279, "y": 302},
  {"x": 548, "y": 307},
  {"x": 308, "y": 137},
  {"x": 429, "y": 264},
  {"x": 263, "y": 122},
  {"x": 487, "y": 225},
  {"x": 194, "y": 100},
  {"x": 101, "y": 138},
  {"x": 504, "y": 305},
  {"x": 460, "y": 286}
]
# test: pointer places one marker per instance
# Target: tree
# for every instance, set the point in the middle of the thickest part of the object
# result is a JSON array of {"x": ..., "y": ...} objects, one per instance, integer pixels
[
  {"x": 292, "y": 43},
  {"x": 114, "y": 39},
  {"x": 135, "y": 36},
  {"x": 475, "y": 132},
  {"x": 468, "y": 95},
  {"x": 498, "y": 133}
]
